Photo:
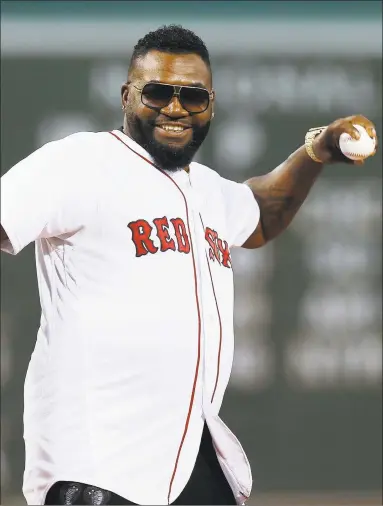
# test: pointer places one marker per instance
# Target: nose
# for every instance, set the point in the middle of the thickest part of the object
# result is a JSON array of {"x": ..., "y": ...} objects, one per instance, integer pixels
[{"x": 174, "y": 109}]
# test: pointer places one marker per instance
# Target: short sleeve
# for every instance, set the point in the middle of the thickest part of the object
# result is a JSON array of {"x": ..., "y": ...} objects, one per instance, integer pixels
[
  {"x": 242, "y": 211},
  {"x": 35, "y": 196}
]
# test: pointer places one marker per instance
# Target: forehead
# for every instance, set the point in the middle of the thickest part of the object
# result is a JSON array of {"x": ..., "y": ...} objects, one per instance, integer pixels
[{"x": 186, "y": 69}]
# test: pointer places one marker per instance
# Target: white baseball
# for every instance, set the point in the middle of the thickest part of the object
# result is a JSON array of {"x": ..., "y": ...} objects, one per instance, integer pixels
[{"x": 357, "y": 149}]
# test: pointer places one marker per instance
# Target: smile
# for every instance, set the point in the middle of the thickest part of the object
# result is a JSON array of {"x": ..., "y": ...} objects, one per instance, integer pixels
[
  {"x": 169, "y": 128},
  {"x": 173, "y": 131},
  {"x": 172, "y": 128}
]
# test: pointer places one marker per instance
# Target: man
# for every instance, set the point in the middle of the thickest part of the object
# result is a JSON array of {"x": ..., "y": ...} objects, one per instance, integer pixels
[{"x": 133, "y": 240}]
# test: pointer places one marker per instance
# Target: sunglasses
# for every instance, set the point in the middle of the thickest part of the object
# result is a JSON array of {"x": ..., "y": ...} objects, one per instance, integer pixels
[{"x": 158, "y": 95}]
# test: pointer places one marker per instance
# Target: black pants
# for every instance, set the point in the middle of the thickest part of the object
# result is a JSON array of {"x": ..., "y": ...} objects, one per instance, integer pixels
[{"x": 207, "y": 485}]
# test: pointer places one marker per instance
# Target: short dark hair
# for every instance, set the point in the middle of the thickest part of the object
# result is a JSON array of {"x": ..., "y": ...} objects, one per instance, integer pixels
[{"x": 170, "y": 39}]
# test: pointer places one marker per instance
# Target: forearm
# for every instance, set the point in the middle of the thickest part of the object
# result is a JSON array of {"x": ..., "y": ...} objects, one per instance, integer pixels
[{"x": 281, "y": 192}]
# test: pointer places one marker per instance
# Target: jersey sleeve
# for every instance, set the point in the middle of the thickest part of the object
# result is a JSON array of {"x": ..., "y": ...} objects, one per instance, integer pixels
[
  {"x": 35, "y": 196},
  {"x": 242, "y": 211}
]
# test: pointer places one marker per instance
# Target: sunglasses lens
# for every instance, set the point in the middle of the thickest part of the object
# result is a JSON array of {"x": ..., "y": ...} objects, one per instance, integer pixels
[
  {"x": 157, "y": 95},
  {"x": 194, "y": 99}
]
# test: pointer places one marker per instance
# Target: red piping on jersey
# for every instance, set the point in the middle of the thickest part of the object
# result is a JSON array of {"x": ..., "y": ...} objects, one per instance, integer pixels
[
  {"x": 219, "y": 319},
  {"x": 198, "y": 311}
]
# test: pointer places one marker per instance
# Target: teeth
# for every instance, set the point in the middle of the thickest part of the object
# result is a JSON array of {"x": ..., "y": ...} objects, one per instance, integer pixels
[{"x": 172, "y": 128}]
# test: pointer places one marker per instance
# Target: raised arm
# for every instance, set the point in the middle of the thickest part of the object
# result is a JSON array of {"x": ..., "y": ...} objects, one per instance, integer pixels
[{"x": 281, "y": 192}]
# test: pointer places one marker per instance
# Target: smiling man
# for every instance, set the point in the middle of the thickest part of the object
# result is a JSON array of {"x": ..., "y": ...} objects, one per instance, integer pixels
[
  {"x": 133, "y": 239},
  {"x": 171, "y": 131}
]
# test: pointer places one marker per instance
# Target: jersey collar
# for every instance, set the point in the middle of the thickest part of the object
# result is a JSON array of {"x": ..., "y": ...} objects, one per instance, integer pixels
[
  {"x": 119, "y": 132},
  {"x": 132, "y": 144}
]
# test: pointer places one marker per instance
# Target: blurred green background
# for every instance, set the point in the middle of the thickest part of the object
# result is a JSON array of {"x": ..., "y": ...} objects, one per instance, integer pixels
[{"x": 305, "y": 394}]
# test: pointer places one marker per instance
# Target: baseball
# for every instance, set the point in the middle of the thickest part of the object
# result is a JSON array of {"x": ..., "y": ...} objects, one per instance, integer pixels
[{"x": 357, "y": 149}]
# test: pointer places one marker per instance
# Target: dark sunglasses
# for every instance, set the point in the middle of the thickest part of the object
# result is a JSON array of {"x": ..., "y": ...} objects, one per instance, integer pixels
[{"x": 158, "y": 95}]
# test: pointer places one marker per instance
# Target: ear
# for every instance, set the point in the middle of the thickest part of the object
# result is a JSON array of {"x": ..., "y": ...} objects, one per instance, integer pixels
[{"x": 124, "y": 94}]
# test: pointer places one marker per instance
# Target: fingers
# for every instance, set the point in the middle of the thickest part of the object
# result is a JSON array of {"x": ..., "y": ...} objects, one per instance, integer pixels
[
  {"x": 365, "y": 123},
  {"x": 370, "y": 129},
  {"x": 354, "y": 132},
  {"x": 376, "y": 143},
  {"x": 345, "y": 126}
]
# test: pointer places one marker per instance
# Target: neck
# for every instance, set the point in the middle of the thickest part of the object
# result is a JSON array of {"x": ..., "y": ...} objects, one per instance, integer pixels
[{"x": 125, "y": 130}]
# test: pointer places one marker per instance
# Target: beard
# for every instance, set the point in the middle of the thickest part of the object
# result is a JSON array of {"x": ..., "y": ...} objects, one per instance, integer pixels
[{"x": 166, "y": 157}]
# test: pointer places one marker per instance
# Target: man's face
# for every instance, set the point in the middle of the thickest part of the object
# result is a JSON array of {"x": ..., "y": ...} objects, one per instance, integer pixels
[{"x": 171, "y": 150}]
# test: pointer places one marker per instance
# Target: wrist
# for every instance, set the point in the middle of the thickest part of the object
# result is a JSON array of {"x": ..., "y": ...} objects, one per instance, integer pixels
[{"x": 313, "y": 144}]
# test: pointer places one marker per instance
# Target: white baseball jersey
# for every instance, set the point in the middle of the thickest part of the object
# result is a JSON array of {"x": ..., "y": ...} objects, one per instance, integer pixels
[{"x": 135, "y": 346}]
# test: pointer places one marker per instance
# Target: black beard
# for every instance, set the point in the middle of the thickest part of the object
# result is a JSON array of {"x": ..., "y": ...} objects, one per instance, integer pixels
[{"x": 166, "y": 157}]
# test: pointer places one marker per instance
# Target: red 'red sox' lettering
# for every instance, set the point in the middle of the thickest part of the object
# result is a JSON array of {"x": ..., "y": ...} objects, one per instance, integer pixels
[
  {"x": 141, "y": 231},
  {"x": 162, "y": 227},
  {"x": 211, "y": 236},
  {"x": 181, "y": 235},
  {"x": 224, "y": 249},
  {"x": 142, "y": 236},
  {"x": 219, "y": 249}
]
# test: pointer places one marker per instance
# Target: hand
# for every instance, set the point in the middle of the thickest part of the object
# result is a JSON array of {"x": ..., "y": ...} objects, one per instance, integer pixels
[{"x": 326, "y": 144}]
